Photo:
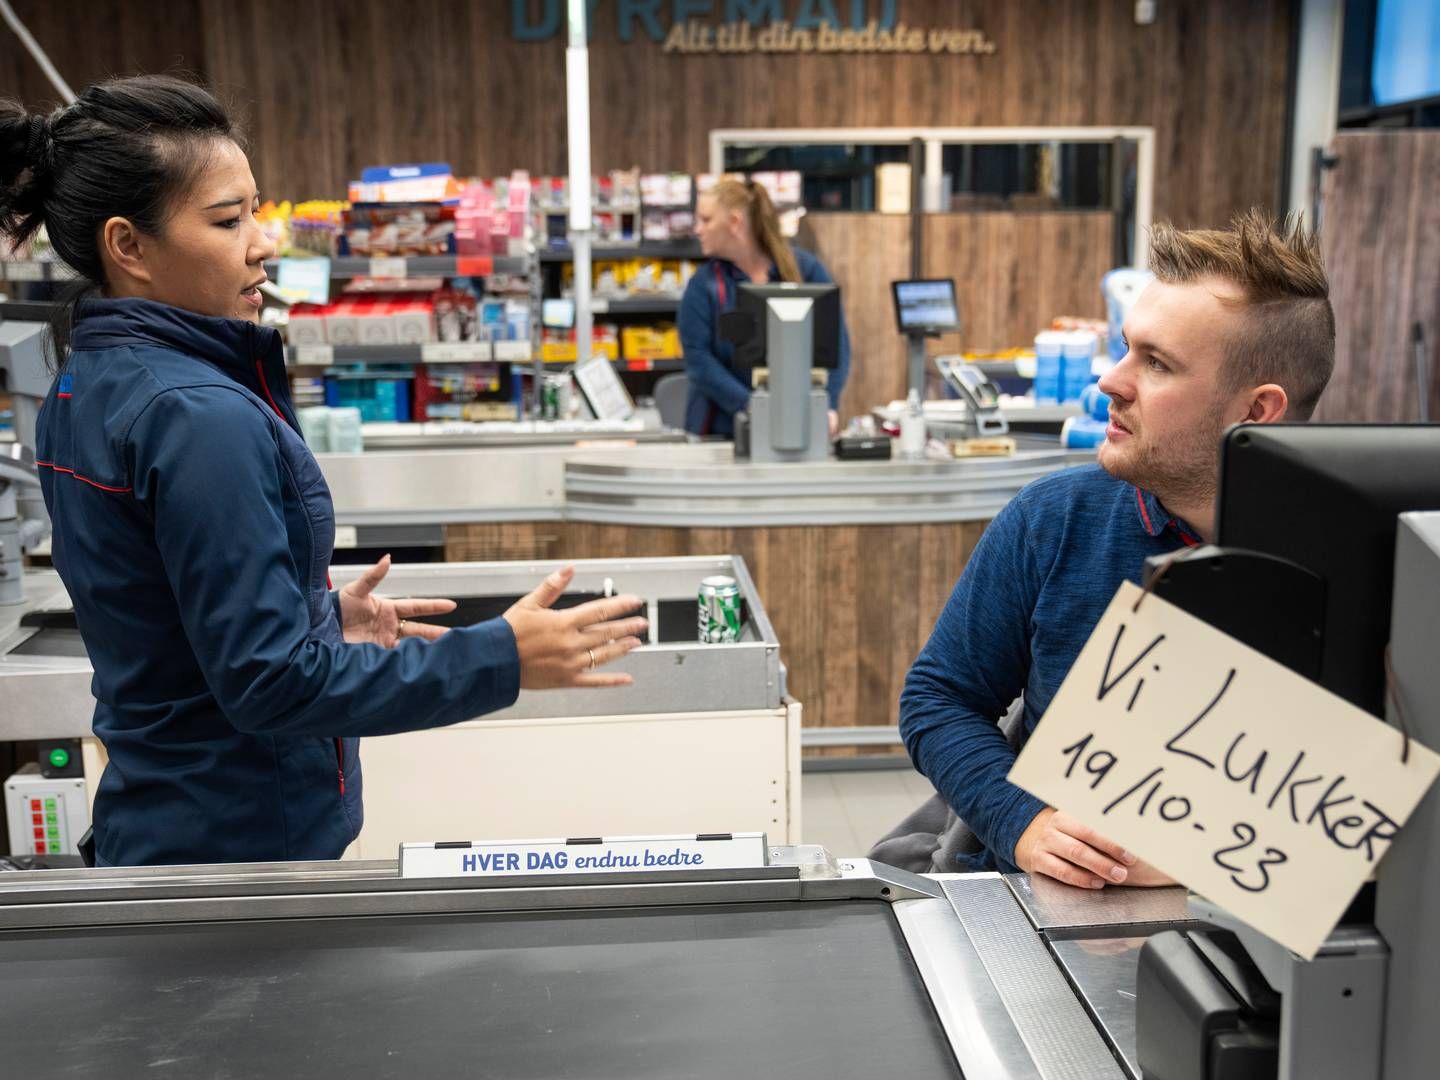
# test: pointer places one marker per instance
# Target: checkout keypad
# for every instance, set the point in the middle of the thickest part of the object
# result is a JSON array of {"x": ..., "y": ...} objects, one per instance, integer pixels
[{"x": 47, "y": 823}]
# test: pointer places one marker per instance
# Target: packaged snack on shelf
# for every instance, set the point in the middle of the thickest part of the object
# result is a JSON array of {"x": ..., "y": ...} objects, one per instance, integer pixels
[
  {"x": 431, "y": 183},
  {"x": 517, "y": 320},
  {"x": 307, "y": 324},
  {"x": 379, "y": 395},
  {"x": 315, "y": 227},
  {"x": 660, "y": 342},
  {"x": 399, "y": 229},
  {"x": 342, "y": 324},
  {"x": 375, "y": 324},
  {"x": 492, "y": 320},
  {"x": 414, "y": 322},
  {"x": 473, "y": 219}
]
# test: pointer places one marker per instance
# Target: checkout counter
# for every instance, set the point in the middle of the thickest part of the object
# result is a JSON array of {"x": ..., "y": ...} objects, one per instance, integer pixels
[
  {"x": 706, "y": 737},
  {"x": 806, "y": 966},
  {"x": 795, "y": 964}
]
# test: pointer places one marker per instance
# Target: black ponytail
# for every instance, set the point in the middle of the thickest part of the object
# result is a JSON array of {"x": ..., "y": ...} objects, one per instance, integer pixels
[{"x": 126, "y": 148}]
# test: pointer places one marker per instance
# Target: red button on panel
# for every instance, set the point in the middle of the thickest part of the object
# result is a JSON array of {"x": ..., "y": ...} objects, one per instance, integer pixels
[
  {"x": 39, "y": 847},
  {"x": 36, "y": 806},
  {"x": 40, "y": 834},
  {"x": 37, "y": 819}
]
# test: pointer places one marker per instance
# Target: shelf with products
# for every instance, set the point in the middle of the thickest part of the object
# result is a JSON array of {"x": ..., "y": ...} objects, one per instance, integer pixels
[
  {"x": 633, "y": 366},
  {"x": 635, "y": 305},
  {"x": 35, "y": 270},
  {"x": 430, "y": 352},
  {"x": 413, "y": 266},
  {"x": 682, "y": 248}
]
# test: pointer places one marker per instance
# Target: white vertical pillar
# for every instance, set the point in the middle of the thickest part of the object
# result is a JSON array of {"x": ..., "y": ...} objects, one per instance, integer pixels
[{"x": 577, "y": 117}]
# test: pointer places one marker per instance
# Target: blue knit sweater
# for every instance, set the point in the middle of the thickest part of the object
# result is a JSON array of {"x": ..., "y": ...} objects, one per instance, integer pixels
[{"x": 1038, "y": 583}]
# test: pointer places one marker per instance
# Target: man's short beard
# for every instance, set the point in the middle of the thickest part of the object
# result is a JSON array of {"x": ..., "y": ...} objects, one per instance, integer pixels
[{"x": 1182, "y": 470}]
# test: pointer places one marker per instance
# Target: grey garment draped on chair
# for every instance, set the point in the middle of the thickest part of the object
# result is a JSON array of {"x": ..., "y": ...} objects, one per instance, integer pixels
[
  {"x": 670, "y": 394},
  {"x": 930, "y": 838}
]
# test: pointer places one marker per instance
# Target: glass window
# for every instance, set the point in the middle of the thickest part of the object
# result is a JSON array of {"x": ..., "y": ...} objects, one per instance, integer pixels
[
  {"x": 838, "y": 176},
  {"x": 1028, "y": 176}
]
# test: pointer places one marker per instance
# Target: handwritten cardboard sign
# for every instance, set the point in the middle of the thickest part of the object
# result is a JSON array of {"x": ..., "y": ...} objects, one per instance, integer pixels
[{"x": 1268, "y": 795}]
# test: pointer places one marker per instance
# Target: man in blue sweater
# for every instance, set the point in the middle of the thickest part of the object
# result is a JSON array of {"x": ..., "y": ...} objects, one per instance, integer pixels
[{"x": 1237, "y": 328}]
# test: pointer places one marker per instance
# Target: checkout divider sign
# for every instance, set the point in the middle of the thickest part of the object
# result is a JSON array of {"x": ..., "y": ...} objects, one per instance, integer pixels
[
  {"x": 1267, "y": 794},
  {"x": 587, "y": 855}
]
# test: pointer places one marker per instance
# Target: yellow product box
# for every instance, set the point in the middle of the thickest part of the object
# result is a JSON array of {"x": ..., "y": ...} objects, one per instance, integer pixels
[
  {"x": 564, "y": 351},
  {"x": 651, "y": 343}
]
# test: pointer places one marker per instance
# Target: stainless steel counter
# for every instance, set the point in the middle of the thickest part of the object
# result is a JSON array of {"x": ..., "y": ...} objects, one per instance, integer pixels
[
  {"x": 42, "y": 695},
  {"x": 682, "y": 484},
  {"x": 456, "y": 435},
  {"x": 434, "y": 487},
  {"x": 659, "y": 487},
  {"x": 804, "y": 967},
  {"x": 45, "y": 692}
]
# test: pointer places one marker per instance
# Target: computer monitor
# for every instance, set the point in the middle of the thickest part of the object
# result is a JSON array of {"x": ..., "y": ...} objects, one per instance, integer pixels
[
  {"x": 926, "y": 306},
  {"x": 745, "y": 326},
  {"x": 1317, "y": 504},
  {"x": 557, "y": 313}
]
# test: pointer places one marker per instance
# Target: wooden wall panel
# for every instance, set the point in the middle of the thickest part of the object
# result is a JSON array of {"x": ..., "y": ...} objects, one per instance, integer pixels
[
  {"x": 331, "y": 87},
  {"x": 1380, "y": 232},
  {"x": 91, "y": 41},
  {"x": 328, "y": 88},
  {"x": 864, "y": 253},
  {"x": 851, "y": 604},
  {"x": 1015, "y": 272}
]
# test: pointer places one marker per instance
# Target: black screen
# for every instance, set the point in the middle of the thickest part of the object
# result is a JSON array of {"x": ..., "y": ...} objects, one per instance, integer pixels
[
  {"x": 745, "y": 326},
  {"x": 1326, "y": 497}
]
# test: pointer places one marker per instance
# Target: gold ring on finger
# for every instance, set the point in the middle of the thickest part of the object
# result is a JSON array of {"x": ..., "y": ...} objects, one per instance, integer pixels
[{"x": 592, "y": 658}]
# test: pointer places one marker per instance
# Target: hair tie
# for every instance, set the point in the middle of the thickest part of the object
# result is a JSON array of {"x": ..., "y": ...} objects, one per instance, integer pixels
[{"x": 39, "y": 131}]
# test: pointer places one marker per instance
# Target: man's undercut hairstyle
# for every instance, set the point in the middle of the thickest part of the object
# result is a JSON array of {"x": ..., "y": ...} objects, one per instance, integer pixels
[{"x": 1288, "y": 334}]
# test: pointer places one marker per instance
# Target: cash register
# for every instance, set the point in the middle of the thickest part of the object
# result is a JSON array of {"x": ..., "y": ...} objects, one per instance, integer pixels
[
  {"x": 787, "y": 339},
  {"x": 1315, "y": 535}
]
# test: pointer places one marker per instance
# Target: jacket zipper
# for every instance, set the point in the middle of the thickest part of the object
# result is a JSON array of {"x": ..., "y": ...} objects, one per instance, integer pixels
[{"x": 265, "y": 386}]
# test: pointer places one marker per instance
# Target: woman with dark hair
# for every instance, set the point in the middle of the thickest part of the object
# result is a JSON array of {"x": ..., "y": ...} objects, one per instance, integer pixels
[
  {"x": 739, "y": 231},
  {"x": 193, "y": 528}
]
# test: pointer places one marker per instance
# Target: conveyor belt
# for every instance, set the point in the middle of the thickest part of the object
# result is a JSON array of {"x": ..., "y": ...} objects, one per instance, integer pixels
[{"x": 819, "y": 989}]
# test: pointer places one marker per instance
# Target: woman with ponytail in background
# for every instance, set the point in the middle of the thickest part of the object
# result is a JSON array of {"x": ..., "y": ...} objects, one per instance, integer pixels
[
  {"x": 193, "y": 528},
  {"x": 740, "y": 233}
]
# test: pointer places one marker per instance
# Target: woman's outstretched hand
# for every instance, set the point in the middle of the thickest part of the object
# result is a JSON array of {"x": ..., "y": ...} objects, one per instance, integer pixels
[{"x": 366, "y": 616}]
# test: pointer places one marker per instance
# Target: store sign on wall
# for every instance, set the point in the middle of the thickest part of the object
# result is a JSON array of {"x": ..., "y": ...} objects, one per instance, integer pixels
[{"x": 737, "y": 27}]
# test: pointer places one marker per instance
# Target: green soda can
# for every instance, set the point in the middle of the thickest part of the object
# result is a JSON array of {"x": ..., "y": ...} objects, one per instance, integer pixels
[
  {"x": 719, "y": 610},
  {"x": 550, "y": 399}
]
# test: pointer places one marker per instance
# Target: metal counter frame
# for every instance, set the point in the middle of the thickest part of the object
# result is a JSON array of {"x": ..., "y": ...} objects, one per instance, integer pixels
[
  {"x": 49, "y": 696},
  {"x": 1003, "y": 1002}
]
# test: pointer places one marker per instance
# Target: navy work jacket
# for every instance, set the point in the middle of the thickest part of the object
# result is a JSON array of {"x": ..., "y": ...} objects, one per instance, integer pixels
[
  {"x": 193, "y": 530},
  {"x": 716, "y": 392}
]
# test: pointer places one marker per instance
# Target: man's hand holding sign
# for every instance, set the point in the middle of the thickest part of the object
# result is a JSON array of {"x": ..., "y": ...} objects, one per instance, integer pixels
[{"x": 1174, "y": 744}]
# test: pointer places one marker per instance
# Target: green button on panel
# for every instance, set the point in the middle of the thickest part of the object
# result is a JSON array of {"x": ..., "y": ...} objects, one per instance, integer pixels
[{"x": 59, "y": 757}]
